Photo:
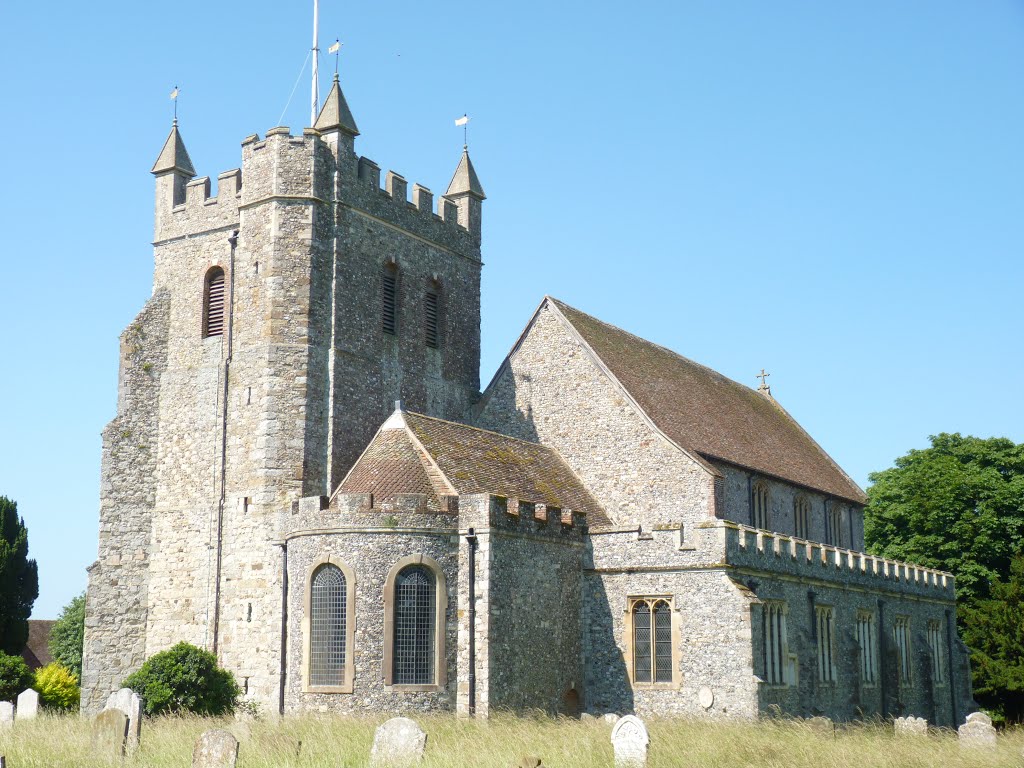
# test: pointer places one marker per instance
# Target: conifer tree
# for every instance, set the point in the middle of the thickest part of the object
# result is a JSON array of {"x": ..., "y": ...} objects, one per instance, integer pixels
[{"x": 19, "y": 579}]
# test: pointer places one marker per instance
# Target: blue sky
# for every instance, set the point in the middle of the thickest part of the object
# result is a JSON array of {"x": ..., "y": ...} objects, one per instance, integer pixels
[{"x": 832, "y": 191}]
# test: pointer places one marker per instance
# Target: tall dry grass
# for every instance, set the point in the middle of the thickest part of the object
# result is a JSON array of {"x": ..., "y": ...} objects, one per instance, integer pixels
[{"x": 315, "y": 741}]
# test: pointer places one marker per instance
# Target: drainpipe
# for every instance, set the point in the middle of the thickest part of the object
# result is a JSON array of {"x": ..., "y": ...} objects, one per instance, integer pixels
[
  {"x": 882, "y": 667},
  {"x": 952, "y": 673},
  {"x": 284, "y": 626},
  {"x": 233, "y": 241},
  {"x": 472, "y": 540}
]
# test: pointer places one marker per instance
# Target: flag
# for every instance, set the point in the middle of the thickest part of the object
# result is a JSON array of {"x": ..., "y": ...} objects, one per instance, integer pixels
[
  {"x": 174, "y": 93},
  {"x": 334, "y": 48},
  {"x": 462, "y": 120}
]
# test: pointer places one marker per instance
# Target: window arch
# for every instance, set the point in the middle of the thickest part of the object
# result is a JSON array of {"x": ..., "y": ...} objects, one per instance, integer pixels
[
  {"x": 834, "y": 525},
  {"x": 801, "y": 517},
  {"x": 415, "y": 605},
  {"x": 213, "y": 303},
  {"x": 759, "y": 502},
  {"x": 652, "y": 641},
  {"x": 328, "y": 625},
  {"x": 389, "y": 300}
]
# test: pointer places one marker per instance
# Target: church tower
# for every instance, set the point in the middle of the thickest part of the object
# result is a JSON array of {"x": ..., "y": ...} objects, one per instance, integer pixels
[{"x": 289, "y": 312}]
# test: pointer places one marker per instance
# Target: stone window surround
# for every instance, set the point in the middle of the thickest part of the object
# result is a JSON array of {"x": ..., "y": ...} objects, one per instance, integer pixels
[
  {"x": 627, "y": 642},
  {"x": 868, "y": 655},
  {"x": 824, "y": 616},
  {"x": 440, "y": 611},
  {"x": 901, "y": 638},
  {"x": 801, "y": 516},
  {"x": 777, "y": 643},
  {"x": 760, "y": 505},
  {"x": 348, "y": 683},
  {"x": 935, "y": 644}
]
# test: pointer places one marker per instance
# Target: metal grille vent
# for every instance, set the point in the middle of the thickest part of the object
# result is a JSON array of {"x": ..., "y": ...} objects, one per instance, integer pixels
[
  {"x": 327, "y": 627},
  {"x": 414, "y": 627},
  {"x": 389, "y": 296},
  {"x": 214, "y": 321},
  {"x": 430, "y": 319}
]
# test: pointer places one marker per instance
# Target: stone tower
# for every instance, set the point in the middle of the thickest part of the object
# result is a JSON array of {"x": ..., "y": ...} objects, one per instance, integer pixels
[{"x": 288, "y": 313}]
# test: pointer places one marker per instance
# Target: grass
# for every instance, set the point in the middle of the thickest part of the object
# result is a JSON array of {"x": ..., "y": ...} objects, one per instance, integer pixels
[{"x": 315, "y": 741}]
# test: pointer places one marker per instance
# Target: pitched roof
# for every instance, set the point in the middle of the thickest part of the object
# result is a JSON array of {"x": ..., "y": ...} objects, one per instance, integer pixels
[
  {"x": 706, "y": 413},
  {"x": 37, "y": 649},
  {"x": 413, "y": 453},
  {"x": 174, "y": 156},
  {"x": 335, "y": 114},
  {"x": 465, "y": 180}
]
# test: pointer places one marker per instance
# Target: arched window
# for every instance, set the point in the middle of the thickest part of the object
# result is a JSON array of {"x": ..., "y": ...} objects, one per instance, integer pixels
[
  {"x": 801, "y": 517},
  {"x": 834, "y": 525},
  {"x": 389, "y": 300},
  {"x": 415, "y": 602},
  {"x": 213, "y": 303},
  {"x": 432, "y": 316},
  {"x": 652, "y": 641},
  {"x": 329, "y": 628},
  {"x": 759, "y": 513}
]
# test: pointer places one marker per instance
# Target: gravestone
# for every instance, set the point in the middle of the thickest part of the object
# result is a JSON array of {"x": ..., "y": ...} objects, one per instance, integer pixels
[
  {"x": 977, "y": 732},
  {"x": 6, "y": 714},
  {"x": 128, "y": 701},
  {"x": 630, "y": 741},
  {"x": 398, "y": 742},
  {"x": 28, "y": 705},
  {"x": 110, "y": 733},
  {"x": 529, "y": 762},
  {"x": 822, "y": 725},
  {"x": 215, "y": 749},
  {"x": 911, "y": 726},
  {"x": 586, "y": 717},
  {"x": 610, "y": 717}
]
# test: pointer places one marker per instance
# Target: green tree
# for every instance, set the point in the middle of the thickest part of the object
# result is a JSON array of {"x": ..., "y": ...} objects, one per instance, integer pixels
[
  {"x": 957, "y": 506},
  {"x": 19, "y": 579},
  {"x": 994, "y": 631},
  {"x": 67, "y": 635},
  {"x": 15, "y": 677},
  {"x": 184, "y": 679}
]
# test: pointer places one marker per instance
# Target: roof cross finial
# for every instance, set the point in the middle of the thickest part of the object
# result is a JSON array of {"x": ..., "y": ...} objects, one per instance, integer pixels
[{"x": 764, "y": 383}]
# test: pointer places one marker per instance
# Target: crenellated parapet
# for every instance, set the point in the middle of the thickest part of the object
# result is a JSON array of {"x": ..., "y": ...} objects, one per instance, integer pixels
[
  {"x": 504, "y": 515},
  {"x": 767, "y": 551}
]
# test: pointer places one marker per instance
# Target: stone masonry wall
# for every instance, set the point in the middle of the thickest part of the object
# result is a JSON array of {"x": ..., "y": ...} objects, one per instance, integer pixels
[
  {"x": 116, "y": 605},
  {"x": 551, "y": 391}
]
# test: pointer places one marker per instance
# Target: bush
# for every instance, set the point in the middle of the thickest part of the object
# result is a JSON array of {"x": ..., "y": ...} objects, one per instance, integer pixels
[
  {"x": 184, "y": 679},
  {"x": 57, "y": 687},
  {"x": 68, "y": 634},
  {"x": 15, "y": 676}
]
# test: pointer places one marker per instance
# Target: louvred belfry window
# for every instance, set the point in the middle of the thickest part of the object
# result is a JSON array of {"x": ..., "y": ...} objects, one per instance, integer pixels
[
  {"x": 413, "y": 661},
  {"x": 213, "y": 315},
  {"x": 430, "y": 319},
  {"x": 389, "y": 301}
]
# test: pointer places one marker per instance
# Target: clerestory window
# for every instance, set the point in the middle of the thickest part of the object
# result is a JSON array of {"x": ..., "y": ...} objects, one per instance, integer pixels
[
  {"x": 760, "y": 501},
  {"x": 801, "y": 517}
]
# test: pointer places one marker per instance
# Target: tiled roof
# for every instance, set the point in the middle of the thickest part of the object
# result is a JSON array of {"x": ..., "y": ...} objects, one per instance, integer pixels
[
  {"x": 709, "y": 414},
  {"x": 37, "y": 649},
  {"x": 413, "y": 453}
]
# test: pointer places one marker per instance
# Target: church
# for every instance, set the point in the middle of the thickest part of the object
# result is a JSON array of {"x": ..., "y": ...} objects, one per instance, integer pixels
[{"x": 305, "y": 477}]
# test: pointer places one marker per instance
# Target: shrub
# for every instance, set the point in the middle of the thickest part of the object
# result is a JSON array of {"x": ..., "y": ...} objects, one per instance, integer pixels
[
  {"x": 57, "y": 687},
  {"x": 15, "y": 676},
  {"x": 67, "y": 635},
  {"x": 184, "y": 679}
]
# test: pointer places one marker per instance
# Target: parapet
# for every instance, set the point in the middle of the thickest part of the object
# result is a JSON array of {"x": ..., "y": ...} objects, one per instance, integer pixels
[
  {"x": 768, "y": 551},
  {"x": 521, "y": 516}
]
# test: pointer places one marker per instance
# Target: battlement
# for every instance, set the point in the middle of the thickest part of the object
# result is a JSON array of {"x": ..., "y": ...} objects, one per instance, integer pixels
[
  {"x": 306, "y": 168},
  {"x": 512, "y": 515},
  {"x": 768, "y": 551}
]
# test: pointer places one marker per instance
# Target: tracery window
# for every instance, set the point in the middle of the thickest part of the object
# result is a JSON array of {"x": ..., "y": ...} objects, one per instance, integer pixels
[
  {"x": 213, "y": 303},
  {"x": 825, "y": 631},
  {"x": 868, "y": 647},
  {"x": 775, "y": 645},
  {"x": 935, "y": 647},
  {"x": 652, "y": 640},
  {"x": 328, "y": 628},
  {"x": 901, "y": 639},
  {"x": 801, "y": 517},
  {"x": 760, "y": 501}
]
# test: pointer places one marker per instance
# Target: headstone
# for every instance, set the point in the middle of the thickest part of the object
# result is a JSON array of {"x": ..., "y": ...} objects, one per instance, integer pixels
[
  {"x": 128, "y": 701},
  {"x": 6, "y": 714},
  {"x": 977, "y": 732},
  {"x": 610, "y": 717},
  {"x": 911, "y": 726},
  {"x": 705, "y": 697},
  {"x": 630, "y": 742},
  {"x": 529, "y": 762},
  {"x": 110, "y": 733},
  {"x": 215, "y": 749},
  {"x": 28, "y": 705},
  {"x": 822, "y": 725},
  {"x": 398, "y": 742},
  {"x": 586, "y": 717}
]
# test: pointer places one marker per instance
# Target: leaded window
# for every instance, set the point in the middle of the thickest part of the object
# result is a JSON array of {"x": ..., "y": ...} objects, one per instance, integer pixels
[
  {"x": 901, "y": 638},
  {"x": 759, "y": 503},
  {"x": 413, "y": 650},
  {"x": 652, "y": 641},
  {"x": 801, "y": 517},
  {"x": 327, "y": 620},
  {"x": 825, "y": 630},
  {"x": 213, "y": 303},
  {"x": 775, "y": 646},
  {"x": 868, "y": 647}
]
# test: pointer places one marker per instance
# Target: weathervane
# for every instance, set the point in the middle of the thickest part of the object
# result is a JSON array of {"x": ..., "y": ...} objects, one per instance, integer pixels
[
  {"x": 764, "y": 383},
  {"x": 464, "y": 122},
  {"x": 174, "y": 98}
]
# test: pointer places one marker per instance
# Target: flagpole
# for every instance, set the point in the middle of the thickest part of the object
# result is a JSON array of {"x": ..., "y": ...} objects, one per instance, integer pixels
[{"x": 316, "y": 55}]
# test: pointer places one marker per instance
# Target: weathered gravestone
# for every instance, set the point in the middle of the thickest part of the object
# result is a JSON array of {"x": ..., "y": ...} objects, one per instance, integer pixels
[
  {"x": 610, "y": 717},
  {"x": 6, "y": 714},
  {"x": 128, "y": 701},
  {"x": 586, "y": 717},
  {"x": 822, "y": 725},
  {"x": 529, "y": 762},
  {"x": 28, "y": 705},
  {"x": 215, "y": 749},
  {"x": 977, "y": 731},
  {"x": 398, "y": 742},
  {"x": 630, "y": 741},
  {"x": 110, "y": 733},
  {"x": 911, "y": 726}
]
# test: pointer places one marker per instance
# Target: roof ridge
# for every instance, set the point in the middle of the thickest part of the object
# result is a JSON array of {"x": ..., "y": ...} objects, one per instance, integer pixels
[{"x": 478, "y": 429}]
